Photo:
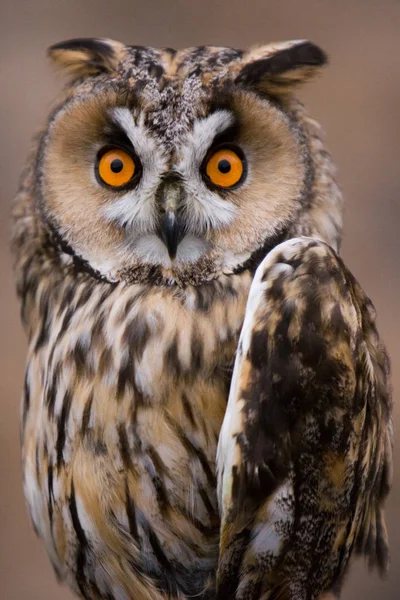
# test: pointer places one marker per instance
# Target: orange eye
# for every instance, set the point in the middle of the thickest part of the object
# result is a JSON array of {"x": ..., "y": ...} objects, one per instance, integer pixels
[
  {"x": 225, "y": 168},
  {"x": 116, "y": 167}
]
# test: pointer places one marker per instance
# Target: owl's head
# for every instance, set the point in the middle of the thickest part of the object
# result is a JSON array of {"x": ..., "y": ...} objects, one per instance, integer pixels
[{"x": 177, "y": 166}]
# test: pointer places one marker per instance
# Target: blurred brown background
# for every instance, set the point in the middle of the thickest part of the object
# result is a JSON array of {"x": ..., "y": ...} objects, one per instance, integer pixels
[{"x": 357, "y": 101}]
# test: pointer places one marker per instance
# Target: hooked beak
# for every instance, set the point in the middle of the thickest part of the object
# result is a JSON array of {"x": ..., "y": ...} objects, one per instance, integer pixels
[{"x": 171, "y": 231}]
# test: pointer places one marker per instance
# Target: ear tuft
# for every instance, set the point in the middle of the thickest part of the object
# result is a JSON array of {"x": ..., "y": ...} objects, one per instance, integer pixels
[
  {"x": 82, "y": 57},
  {"x": 276, "y": 68}
]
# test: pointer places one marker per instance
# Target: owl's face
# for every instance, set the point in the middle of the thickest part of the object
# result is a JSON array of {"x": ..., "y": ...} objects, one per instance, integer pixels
[{"x": 169, "y": 166}]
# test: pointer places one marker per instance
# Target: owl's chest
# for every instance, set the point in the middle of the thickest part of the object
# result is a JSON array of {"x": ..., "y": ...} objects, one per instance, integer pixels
[
  {"x": 112, "y": 355},
  {"x": 127, "y": 393},
  {"x": 154, "y": 345}
]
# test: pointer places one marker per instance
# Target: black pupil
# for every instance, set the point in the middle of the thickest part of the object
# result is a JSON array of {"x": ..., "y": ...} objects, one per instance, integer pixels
[
  {"x": 116, "y": 165},
  {"x": 224, "y": 166}
]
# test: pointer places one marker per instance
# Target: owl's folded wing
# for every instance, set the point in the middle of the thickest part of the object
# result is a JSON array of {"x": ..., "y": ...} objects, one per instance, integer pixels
[{"x": 304, "y": 455}]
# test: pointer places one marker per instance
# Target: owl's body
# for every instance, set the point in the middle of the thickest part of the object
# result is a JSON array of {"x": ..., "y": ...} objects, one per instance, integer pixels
[
  {"x": 132, "y": 424},
  {"x": 134, "y": 300}
]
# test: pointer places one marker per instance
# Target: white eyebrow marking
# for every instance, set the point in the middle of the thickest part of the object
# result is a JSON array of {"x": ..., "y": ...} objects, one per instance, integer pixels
[
  {"x": 203, "y": 133},
  {"x": 144, "y": 145}
]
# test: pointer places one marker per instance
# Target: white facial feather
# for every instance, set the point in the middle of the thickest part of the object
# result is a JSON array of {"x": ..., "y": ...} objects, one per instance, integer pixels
[
  {"x": 152, "y": 250},
  {"x": 203, "y": 208},
  {"x": 136, "y": 208}
]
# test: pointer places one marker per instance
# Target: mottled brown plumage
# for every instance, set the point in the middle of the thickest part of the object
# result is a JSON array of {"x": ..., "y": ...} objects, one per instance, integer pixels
[
  {"x": 305, "y": 450},
  {"x": 134, "y": 301}
]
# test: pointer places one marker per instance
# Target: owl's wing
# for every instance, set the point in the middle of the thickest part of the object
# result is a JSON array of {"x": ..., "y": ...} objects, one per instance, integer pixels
[{"x": 304, "y": 455}]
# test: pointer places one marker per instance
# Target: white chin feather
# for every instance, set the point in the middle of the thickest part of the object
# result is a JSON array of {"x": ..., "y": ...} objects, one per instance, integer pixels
[
  {"x": 191, "y": 249},
  {"x": 150, "y": 249}
]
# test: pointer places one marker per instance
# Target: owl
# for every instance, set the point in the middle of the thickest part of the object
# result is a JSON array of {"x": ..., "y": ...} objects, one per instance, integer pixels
[{"x": 207, "y": 408}]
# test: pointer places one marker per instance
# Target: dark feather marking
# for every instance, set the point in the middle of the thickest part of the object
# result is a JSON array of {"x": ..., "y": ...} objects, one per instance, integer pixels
[
  {"x": 130, "y": 512},
  {"x": 51, "y": 355},
  {"x": 106, "y": 293},
  {"x": 80, "y": 360},
  {"x": 69, "y": 313},
  {"x": 29, "y": 283},
  {"x": 106, "y": 360},
  {"x": 82, "y": 542},
  {"x": 98, "y": 330},
  {"x": 69, "y": 296},
  {"x": 50, "y": 493},
  {"x": 37, "y": 462},
  {"x": 172, "y": 577},
  {"x": 196, "y": 347},
  {"x": 125, "y": 375},
  {"x": 211, "y": 510},
  {"x": 206, "y": 530},
  {"x": 84, "y": 296},
  {"x": 171, "y": 51},
  {"x": 157, "y": 549},
  {"x": 188, "y": 410},
  {"x": 204, "y": 295},
  {"x": 124, "y": 447},
  {"x": 51, "y": 391},
  {"x": 258, "y": 350},
  {"x": 172, "y": 362},
  {"x": 26, "y": 400},
  {"x": 86, "y": 414},
  {"x": 193, "y": 450},
  {"x": 155, "y": 469},
  {"x": 62, "y": 425},
  {"x": 229, "y": 291},
  {"x": 156, "y": 71},
  {"x": 135, "y": 338},
  {"x": 43, "y": 335},
  {"x": 99, "y": 447},
  {"x": 229, "y": 567}
]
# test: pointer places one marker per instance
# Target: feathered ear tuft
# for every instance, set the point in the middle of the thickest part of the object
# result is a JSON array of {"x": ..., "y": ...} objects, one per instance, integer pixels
[
  {"x": 86, "y": 56},
  {"x": 277, "y": 68}
]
